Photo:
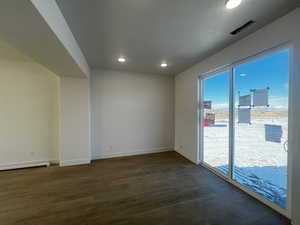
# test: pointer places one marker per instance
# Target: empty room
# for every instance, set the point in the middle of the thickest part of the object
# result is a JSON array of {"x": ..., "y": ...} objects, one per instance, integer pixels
[{"x": 149, "y": 112}]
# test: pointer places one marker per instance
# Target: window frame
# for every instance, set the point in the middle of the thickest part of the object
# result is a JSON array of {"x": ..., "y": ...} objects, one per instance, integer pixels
[{"x": 200, "y": 147}]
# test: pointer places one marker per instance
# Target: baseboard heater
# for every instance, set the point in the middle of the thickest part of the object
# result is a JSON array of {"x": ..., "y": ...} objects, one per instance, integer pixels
[{"x": 23, "y": 165}]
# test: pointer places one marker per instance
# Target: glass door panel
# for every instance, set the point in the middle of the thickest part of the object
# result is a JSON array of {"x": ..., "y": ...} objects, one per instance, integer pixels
[
  {"x": 215, "y": 121},
  {"x": 261, "y": 126}
]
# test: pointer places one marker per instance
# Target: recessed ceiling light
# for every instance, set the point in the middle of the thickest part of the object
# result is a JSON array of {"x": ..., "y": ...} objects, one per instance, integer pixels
[
  {"x": 164, "y": 65},
  {"x": 231, "y": 4},
  {"x": 121, "y": 60}
]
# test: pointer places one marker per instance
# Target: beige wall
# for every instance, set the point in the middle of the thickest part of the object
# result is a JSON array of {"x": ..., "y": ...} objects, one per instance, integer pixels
[
  {"x": 74, "y": 121},
  {"x": 28, "y": 110},
  {"x": 280, "y": 31},
  {"x": 132, "y": 113}
]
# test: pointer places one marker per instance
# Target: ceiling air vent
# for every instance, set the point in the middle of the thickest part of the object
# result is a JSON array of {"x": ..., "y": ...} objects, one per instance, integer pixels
[{"x": 241, "y": 28}]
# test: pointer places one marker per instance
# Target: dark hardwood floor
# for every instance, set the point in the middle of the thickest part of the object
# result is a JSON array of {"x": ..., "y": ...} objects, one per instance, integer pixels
[{"x": 154, "y": 189}]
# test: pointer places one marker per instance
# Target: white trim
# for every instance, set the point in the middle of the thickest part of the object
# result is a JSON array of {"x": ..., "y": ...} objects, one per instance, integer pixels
[
  {"x": 141, "y": 152},
  {"x": 260, "y": 54},
  {"x": 22, "y": 165},
  {"x": 184, "y": 156},
  {"x": 200, "y": 115},
  {"x": 74, "y": 162},
  {"x": 54, "y": 162},
  {"x": 291, "y": 118},
  {"x": 264, "y": 53},
  {"x": 231, "y": 111}
]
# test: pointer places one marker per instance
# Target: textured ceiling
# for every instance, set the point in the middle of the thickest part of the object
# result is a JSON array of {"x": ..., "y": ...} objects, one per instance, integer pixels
[{"x": 147, "y": 32}]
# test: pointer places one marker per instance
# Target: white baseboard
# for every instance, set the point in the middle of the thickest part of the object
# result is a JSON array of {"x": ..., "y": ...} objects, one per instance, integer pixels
[
  {"x": 140, "y": 152},
  {"x": 74, "y": 162},
  {"x": 21, "y": 165},
  {"x": 187, "y": 157},
  {"x": 54, "y": 162}
]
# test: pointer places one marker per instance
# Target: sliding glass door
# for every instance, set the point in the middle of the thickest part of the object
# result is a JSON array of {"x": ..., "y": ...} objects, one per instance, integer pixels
[
  {"x": 215, "y": 121},
  {"x": 244, "y": 126},
  {"x": 261, "y": 126}
]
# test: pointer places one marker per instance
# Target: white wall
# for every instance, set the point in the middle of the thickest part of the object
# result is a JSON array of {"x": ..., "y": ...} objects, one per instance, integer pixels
[
  {"x": 38, "y": 29},
  {"x": 278, "y": 32},
  {"x": 74, "y": 121},
  {"x": 28, "y": 110},
  {"x": 132, "y": 113},
  {"x": 51, "y": 13}
]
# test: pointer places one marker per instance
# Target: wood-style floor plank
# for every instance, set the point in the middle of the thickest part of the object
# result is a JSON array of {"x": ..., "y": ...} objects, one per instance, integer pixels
[{"x": 155, "y": 189}]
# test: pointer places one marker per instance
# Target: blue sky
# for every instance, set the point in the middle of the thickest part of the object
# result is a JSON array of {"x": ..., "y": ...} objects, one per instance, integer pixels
[{"x": 271, "y": 71}]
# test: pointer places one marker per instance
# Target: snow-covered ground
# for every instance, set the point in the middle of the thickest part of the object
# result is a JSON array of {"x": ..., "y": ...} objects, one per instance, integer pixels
[{"x": 259, "y": 164}]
